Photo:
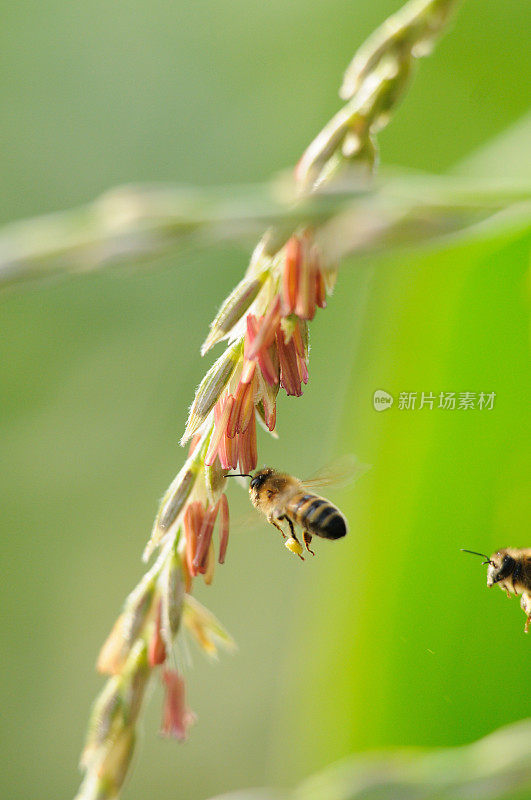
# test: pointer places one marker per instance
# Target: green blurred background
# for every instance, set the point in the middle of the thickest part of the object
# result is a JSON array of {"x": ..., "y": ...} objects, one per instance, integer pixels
[{"x": 386, "y": 638}]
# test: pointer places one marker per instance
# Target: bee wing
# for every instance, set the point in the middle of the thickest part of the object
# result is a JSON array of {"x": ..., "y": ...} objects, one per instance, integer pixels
[{"x": 340, "y": 472}]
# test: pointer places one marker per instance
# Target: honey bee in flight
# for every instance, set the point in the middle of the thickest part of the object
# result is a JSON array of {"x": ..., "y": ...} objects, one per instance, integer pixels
[
  {"x": 511, "y": 569},
  {"x": 283, "y": 498}
]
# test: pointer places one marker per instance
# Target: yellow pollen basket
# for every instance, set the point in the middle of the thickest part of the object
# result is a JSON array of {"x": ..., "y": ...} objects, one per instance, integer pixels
[{"x": 294, "y": 546}]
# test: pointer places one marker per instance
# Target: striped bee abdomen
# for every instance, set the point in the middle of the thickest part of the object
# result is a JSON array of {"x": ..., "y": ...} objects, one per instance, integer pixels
[{"x": 317, "y": 515}]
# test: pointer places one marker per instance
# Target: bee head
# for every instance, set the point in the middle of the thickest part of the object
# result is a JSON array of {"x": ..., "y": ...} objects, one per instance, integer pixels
[
  {"x": 258, "y": 480},
  {"x": 501, "y": 566}
]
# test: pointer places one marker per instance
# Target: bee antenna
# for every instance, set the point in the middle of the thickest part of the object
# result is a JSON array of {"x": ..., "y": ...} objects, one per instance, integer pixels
[
  {"x": 475, "y": 553},
  {"x": 237, "y": 475}
]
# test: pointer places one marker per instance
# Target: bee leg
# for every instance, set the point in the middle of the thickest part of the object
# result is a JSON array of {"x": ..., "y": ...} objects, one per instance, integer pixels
[
  {"x": 290, "y": 523},
  {"x": 528, "y": 620},
  {"x": 277, "y": 526},
  {"x": 307, "y": 536},
  {"x": 292, "y": 543}
]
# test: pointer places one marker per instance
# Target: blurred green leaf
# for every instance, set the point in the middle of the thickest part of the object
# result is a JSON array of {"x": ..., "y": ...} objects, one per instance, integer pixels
[
  {"x": 504, "y": 156},
  {"x": 135, "y": 223},
  {"x": 497, "y": 767}
]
